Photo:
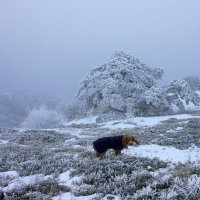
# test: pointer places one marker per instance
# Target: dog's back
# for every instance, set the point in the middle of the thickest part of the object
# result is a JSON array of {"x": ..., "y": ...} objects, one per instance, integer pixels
[{"x": 101, "y": 145}]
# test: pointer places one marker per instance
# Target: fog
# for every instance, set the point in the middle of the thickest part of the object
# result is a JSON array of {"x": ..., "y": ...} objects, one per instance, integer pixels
[{"x": 49, "y": 46}]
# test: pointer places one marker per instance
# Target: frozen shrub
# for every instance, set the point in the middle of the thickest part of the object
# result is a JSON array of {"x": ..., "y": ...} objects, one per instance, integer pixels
[
  {"x": 186, "y": 170},
  {"x": 145, "y": 193},
  {"x": 84, "y": 190},
  {"x": 43, "y": 118},
  {"x": 39, "y": 136},
  {"x": 41, "y": 189},
  {"x": 125, "y": 87},
  {"x": 194, "y": 82},
  {"x": 179, "y": 95},
  {"x": 153, "y": 102},
  {"x": 34, "y": 152},
  {"x": 115, "y": 176},
  {"x": 115, "y": 86},
  {"x": 169, "y": 195},
  {"x": 188, "y": 188},
  {"x": 14, "y": 107},
  {"x": 4, "y": 180},
  {"x": 75, "y": 110}
]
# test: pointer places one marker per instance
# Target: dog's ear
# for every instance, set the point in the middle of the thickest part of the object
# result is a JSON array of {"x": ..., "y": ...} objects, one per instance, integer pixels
[
  {"x": 129, "y": 138},
  {"x": 125, "y": 141}
]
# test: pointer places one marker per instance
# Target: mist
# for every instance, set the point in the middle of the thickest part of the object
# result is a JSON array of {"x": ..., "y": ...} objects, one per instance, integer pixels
[{"x": 48, "y": 47}]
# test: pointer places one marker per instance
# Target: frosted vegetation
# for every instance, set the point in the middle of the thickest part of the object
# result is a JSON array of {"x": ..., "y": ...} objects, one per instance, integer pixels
[
  {"x": 43, "y": 118},
  {"x": 121, "y": 88},
  {"x": 61, "y": 164},
  {"x": 44, "y": 157},
  {"x": 126, "y": 87}
]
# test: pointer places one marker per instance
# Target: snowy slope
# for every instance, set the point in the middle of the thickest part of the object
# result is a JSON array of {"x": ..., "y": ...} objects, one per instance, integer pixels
[
  {"x": 68, "y": 152},
  {"x": 131, "y": 122}
]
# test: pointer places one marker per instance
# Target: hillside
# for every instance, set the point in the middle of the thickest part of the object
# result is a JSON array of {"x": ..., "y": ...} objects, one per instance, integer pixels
[{"x": 61, "y": 163}]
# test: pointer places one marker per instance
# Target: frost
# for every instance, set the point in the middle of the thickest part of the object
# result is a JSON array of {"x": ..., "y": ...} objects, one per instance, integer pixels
[
  {"x": 43, "y": 118},
  {"x": 194, "y": 82},
  {"x": 124, "y": 87},
  {"x": 61, "y": 163},
  {"x": 179, "y": 95},
  {"x": 116, "y": 86},
  {"x": 189, "y": 188}
]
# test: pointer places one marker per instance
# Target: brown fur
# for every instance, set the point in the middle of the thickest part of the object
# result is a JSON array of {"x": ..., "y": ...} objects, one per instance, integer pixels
[{"x": 126, "y": 140}]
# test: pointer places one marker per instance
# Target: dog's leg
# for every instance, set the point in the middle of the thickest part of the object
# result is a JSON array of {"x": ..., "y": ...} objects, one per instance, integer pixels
[
  {"x": 117, "y": 152},
  {"x": 100, "y": 155}
]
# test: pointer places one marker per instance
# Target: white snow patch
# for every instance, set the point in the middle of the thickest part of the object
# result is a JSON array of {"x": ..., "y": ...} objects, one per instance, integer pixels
[
  {"x": 127, "y": 123},
  {"x": 179, "y": 128},
  {"x": 151, "y": 121},
  {"x": 19, "y": 182},
  {"x": 9, "y": 173},
  {"x": 87, "y": 120},
  {"x": 170, "y": 131},
  {"x": 165, "y": 153},
  {"x": 70, "y": 196},
  {"x": 22, "y": 181},
  {"x": 189, "y": 106},
  {"x": 175, "y": 130},
  {"x": 3, "y": 141},
  {"x": 72, "y": 140},
  {"x": 118, "y": 125},
  {"x": 143, "y": 121},
  {"x": 65, "y": 179},
  {"x": 198, "y": 92}
]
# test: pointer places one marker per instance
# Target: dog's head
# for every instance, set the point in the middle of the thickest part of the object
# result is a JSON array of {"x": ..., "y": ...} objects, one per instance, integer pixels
[{"x": 130, "y": 140}]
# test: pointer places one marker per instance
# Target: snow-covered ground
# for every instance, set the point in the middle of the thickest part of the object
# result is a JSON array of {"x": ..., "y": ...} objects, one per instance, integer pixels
[
  {"x": 131, "y": 122},
  {"x": 75, "y": 145},
  {"x": 166, "y": 153}
]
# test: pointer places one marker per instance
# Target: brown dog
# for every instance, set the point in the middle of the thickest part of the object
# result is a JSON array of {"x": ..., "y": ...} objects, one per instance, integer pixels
[{"x": 117, "y": 143}]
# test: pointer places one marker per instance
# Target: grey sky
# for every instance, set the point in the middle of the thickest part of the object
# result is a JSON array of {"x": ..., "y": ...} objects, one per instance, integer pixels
[{"x": 48, "y": 46}]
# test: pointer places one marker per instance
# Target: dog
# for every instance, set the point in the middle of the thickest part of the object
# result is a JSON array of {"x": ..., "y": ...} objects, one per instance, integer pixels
[{"x": 117, "y": 143}]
